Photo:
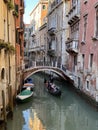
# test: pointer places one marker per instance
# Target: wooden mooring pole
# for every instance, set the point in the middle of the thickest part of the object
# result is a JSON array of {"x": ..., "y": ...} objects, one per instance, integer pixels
[
  {"x": 11, "y": 101},
  {"x": 4, "y": 110}
]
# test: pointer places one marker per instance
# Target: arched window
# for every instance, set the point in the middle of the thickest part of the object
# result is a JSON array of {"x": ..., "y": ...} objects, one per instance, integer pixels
[{"x": 2, "y": 73}]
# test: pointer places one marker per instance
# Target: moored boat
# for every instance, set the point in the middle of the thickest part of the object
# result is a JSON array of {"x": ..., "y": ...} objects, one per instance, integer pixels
[
  {"x": 28, "y": 85},
  {"x": 24, "y": 96}
]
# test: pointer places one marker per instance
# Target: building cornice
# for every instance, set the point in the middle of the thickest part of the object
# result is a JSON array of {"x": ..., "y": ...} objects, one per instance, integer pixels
[
  {"x": 55, "y": 8},
  {"x": 41, "y": 2}
]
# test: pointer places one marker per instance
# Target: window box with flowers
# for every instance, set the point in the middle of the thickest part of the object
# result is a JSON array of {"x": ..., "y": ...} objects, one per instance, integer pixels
[
  {"x": 7, "y": 46},
  {"x": 15, "y": 13}
]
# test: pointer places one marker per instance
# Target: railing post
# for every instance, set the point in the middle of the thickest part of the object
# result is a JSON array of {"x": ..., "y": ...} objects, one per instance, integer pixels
[
  {"x": 35, "y": 64},
  {"x": 52, "y": 63},
  {"x": 56, "y": 64}
]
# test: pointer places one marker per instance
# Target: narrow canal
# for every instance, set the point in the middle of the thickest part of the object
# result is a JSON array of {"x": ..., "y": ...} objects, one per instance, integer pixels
[{"x": 46, "y": 112}]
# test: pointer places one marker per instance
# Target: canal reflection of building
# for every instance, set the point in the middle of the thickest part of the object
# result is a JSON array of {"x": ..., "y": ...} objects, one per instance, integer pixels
[{"x": 34, "y": 122}]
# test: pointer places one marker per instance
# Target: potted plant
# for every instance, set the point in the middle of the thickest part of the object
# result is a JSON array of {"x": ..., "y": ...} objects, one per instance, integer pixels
[
  {"x": 15, "y": 13},
  {"x": 7, "y": 46},
  {"x": 2, "y": 45}
]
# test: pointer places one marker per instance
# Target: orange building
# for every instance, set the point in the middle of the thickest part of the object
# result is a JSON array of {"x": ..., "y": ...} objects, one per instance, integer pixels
[{"x": 19, "y": 9}]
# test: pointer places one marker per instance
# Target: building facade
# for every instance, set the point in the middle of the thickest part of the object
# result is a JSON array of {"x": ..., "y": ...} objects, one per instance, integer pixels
[
  {"x": 82, "y": 46},
  {"x": 19, "y": 34},
  {"x": 38, "y": 19},
  {"x": 58, "y": 31},
  {"x": 88, "y": 53},
  {"x": 7, "y": 56},
  {"x": 26, "y": 44}
]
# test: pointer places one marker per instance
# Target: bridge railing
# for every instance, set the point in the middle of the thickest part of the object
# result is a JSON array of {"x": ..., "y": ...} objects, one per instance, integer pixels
[
  {"x": 52, "y": 64},
  {"x": 41, "y": 63}
]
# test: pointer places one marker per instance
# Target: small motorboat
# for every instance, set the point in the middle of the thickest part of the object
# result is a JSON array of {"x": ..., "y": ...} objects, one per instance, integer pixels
[
  {"x": 28, "y": 85},
  {"x": 28, "y": 80},
  {"x": 24, "y": 96}
]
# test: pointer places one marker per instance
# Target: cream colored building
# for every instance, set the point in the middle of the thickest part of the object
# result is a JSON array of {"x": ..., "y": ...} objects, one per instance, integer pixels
[
  {"x": 38, "y": 20},
  {"x": 7, "y": 54},
  {"x": 58, "y": 31}
]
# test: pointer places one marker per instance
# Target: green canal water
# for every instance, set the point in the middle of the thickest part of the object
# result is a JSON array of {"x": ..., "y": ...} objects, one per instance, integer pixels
[{"x": 46, "y": 112}]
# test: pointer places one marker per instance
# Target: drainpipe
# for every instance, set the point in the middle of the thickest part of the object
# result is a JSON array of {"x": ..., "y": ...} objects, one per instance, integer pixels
[
  {"x": 8, "y": 43},
  {"x": 15, "y": 58}
]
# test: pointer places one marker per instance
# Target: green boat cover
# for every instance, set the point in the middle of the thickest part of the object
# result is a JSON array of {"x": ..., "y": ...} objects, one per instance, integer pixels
[{"x": 26, "y": 92}]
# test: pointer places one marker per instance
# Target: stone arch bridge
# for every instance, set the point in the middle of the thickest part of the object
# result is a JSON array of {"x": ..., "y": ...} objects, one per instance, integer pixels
[{"x": 28, "y": 72}]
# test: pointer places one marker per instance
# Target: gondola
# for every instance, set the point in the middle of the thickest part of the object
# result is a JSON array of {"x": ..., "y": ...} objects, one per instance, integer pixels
[
  {"x": 52, "y": 89},
  {"x": 57, "y": 92}
]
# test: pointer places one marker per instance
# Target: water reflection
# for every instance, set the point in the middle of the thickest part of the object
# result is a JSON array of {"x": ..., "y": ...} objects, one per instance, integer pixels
[
  {"x": 46, "y": 112},
  {"x": 32, "y": 122}
]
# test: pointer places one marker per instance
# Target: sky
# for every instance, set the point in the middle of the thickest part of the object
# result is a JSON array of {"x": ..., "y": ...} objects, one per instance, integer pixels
[{"x": 29, "y": 6}]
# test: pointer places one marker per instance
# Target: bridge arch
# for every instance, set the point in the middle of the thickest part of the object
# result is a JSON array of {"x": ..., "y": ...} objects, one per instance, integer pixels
[{"x": 30, "y": 71}]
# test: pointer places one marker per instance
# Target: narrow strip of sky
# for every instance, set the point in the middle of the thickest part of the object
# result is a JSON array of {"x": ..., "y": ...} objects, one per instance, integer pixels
[{"x": 29, "y": 6}]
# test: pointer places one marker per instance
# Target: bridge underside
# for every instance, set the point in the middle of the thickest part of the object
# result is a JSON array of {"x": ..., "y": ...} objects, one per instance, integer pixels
[{"x": 59, "y": 72}]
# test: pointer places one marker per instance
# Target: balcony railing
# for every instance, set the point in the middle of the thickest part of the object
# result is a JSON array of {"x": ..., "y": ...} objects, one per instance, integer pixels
[
  {"x": 34, "y": 49},
  {"x": 88, "y": 71},
  {"x": 74, "y": 14},
  {"x": 72, "y": 46},
  {"x": 52, "y": 30},
  {"x": 51, "y": 52},
  {"x": 33, "y": 33}
]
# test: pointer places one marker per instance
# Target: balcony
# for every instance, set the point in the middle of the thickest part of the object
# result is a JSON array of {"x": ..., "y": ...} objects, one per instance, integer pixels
[
  {"x": 51, "y": 52},
  {"x": 21, "y": 28},
  {"x": 34, "y": 49},
  {"x": 88, "y": 71},
  {"x": 52, "y": 30},
  {"x": 21, "y": 9},
  {"x": 33, "y": 33},
  {"x": 72, "y": 46},
  {"x": 73, "y": 15},
  {"x": 42, "y": 48},
  {"x": 81, "y": 69}
]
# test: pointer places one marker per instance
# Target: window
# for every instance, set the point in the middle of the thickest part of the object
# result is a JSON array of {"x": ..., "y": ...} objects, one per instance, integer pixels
[
  {"x": 17, "y": 36},
  {"x": 16, "y": 7},
  {"x": 87, "y": 85},
  {"x": 96, "y": 22},
  {"x": 91, "y": 60},
  {"x": 2, "y": 73},
  {"x": 83, "y": 57},
  {"x": 85, "y": 1},
  {"x": 79, "y": 82},
  {"x": 85, "y": 27},
  {"x": 75, "y": 60},
  {"x": 21, "y": 2},
  {"x": 44, "y": 7},
  {"x": 73, "y": 3}
]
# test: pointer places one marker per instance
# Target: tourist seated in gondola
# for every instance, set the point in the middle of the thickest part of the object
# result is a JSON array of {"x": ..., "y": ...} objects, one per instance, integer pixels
[{"x": 54, "y": 88}]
